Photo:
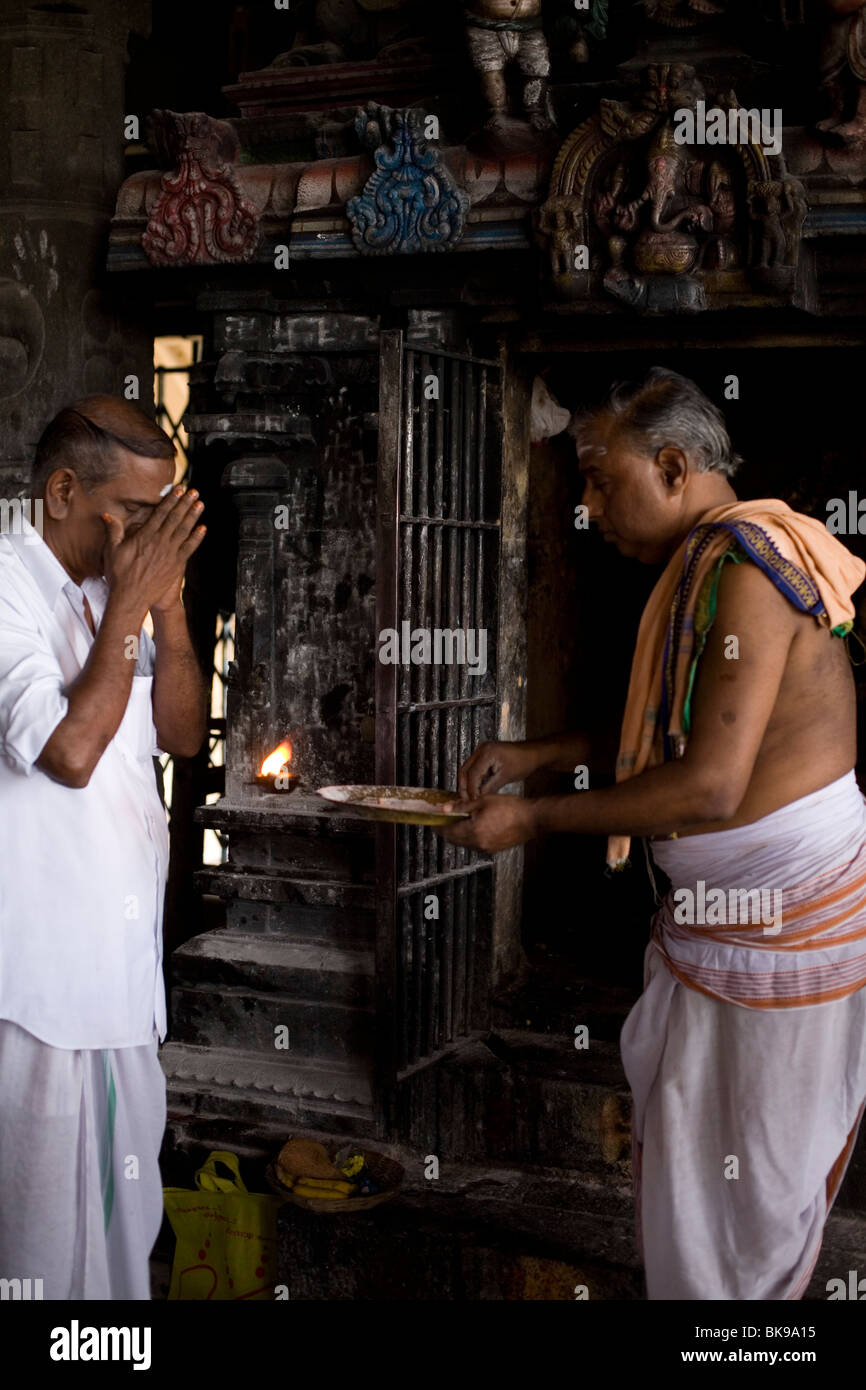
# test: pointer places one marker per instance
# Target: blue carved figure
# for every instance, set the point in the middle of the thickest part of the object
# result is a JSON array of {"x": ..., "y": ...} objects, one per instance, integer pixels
[{"x": 411, "y": 203}]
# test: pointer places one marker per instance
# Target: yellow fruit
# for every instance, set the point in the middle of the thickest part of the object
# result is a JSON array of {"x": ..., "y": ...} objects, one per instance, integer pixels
[
  {"x": 345, "y": 1189},
  {"x": 301, "y": 1189}
]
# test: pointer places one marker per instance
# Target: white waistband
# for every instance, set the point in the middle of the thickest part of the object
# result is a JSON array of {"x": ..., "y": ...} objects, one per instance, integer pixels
[{"x": 798, "y": 838}]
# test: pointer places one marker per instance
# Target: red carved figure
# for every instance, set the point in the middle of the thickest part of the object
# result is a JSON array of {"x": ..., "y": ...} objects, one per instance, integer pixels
[{"x": 201, "y": 216}]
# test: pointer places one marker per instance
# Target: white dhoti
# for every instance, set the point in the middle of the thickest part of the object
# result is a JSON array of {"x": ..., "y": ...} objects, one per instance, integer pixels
[
  {"x": 80, "y": 1187},
  {"x": 745, "y": 1116}
]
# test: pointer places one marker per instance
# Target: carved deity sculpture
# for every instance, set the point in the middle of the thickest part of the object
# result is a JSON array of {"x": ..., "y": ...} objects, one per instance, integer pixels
[
  {"x": 843, "y": 71},
  {"x": 661, "y": 222},
  {"x": 334, "y": 31},
  {"x": 502, "y": 32},
  {"x": 778, "y": 210},
  {"x": 574, "y": 31},
  {"x": 682, "y": 14},
  {"x": 722, "y": 203},
  {"x": 558, "y": 223}
]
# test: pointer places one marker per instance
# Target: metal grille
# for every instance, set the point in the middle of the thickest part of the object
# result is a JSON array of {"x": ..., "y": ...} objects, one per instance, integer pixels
[
  {"x": 447, "y": 569},
  {"x": 173, "y": 358},
  {"x": 215, "y": 841}
]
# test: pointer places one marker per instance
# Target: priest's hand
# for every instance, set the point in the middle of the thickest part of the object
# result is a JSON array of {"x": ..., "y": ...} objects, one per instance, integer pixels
[
  {"x": 495, "y": 823},
  {"x": 494, "y": 765}
]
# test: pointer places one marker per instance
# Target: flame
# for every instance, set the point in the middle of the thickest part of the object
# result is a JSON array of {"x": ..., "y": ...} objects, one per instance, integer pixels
[{"x": 276, "y": 761}]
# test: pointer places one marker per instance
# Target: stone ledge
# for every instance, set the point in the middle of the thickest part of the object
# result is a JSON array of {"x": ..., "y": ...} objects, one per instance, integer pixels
[{"x": 226, "y": 1070}]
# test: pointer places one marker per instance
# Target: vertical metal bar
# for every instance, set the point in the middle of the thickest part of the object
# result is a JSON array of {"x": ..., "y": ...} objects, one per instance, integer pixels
[
  {"x": 471, "y": 442},
  {"x": 468, "y": 684},
  {"x": 446, "y": 966},
  {"x": 481, "y": 416},
  {"x": 391, "y": 410},
  {"x": 402, "y": 848},
  {"x": 413, "y": 594},
  {"x": 437, "y": 463},
  {"x": 436, "y": 841},
  {"x": 423, "y": 504},
  {"x": 418, "y": 832},
  {"x": 472, "y": 909},
  {"x": 407, "y": 494},
  {"x": 418, "y": 1028},
  {"x": 417, "y": 612},
  {"x": 407, "y": 568},
  {"x": 457, "y": 688},
  {"x": 404, "y": 965},
  {"x": 479, "y": 601},
  {"x": 431, "y": 931},
  {"x": 455, "y": 500},
  {"x": 403, "y": 774},
  {"x": 403, "y": 771},
  {"x": 451, "y": 374},
  {"x": 458, "y": 974}
]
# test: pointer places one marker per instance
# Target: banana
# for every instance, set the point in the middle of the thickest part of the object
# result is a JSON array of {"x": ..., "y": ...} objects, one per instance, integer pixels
[
  {"x": 303, "y": 1189},
  {"x": 345, "y": 1189}
]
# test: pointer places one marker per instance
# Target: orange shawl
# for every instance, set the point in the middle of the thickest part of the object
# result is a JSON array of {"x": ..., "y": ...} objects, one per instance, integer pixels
[{"x": 809, "y": 565}]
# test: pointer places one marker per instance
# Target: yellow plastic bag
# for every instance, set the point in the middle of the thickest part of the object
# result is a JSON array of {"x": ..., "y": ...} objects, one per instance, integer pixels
[{"x": 226, "y": 1236}]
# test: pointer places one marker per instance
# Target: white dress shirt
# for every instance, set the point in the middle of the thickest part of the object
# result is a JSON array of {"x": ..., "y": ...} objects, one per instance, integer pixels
[{"x": 82, "y": 870}]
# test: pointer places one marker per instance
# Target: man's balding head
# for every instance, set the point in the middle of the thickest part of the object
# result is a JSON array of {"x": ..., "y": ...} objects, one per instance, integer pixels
[{"x": 85, "y": 436}]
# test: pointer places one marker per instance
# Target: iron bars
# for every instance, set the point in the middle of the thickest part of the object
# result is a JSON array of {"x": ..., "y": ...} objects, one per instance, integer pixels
[{"x": 440, "y": 595}]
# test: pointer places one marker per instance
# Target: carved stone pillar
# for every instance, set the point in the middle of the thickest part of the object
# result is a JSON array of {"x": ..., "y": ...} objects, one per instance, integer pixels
[{"x": 61, "y": 163}]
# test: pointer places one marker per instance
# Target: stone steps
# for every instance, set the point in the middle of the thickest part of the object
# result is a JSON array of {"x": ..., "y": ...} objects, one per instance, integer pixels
[
  {"x": 329, "y": 1031},
  {"x": 266, "y": 901},
  {"x": 312, "y": 968}
]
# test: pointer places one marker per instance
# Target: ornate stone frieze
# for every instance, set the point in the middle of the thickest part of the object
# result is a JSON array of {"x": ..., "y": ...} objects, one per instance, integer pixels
[{"x": 200, "y": 217}]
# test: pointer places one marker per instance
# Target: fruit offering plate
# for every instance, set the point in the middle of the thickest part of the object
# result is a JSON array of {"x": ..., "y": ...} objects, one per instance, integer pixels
[
  {"x": 398, "y": 805},
  {"x": 387, "y": 1173}
]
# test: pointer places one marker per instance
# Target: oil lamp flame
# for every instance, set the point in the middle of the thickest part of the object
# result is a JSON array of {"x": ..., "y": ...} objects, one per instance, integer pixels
[{"x": 276, "y": 761}]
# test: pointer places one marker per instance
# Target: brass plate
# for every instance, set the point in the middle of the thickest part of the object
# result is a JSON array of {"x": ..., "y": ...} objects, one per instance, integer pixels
[{"x": 349, "y": 798}]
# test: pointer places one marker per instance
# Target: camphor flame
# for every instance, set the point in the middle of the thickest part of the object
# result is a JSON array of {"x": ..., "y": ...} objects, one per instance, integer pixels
[{"x": 276, "y": 761}]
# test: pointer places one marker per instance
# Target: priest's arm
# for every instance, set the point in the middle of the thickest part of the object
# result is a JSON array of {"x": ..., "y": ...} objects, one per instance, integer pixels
[{"x": 732, "y": 705}]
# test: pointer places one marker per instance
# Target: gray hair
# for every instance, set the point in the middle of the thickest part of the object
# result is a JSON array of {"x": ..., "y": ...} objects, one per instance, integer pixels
[{"x": 666, "y": 409}]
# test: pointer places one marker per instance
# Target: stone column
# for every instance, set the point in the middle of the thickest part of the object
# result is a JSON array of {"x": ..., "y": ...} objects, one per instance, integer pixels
[{"x": 61, "y": 162}]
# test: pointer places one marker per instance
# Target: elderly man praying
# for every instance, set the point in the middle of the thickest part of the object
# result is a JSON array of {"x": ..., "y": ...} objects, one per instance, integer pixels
[
  {"x": 746, "y": 1052},
  {"x": 87, "y": 697}
]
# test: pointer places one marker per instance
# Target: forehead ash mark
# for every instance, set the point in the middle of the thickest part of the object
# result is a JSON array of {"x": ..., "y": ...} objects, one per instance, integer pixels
[{"x": 587, "y": 454}]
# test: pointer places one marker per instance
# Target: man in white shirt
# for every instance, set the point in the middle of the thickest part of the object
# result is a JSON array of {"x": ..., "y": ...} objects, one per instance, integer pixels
[{"x": 86, "y": 698}]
